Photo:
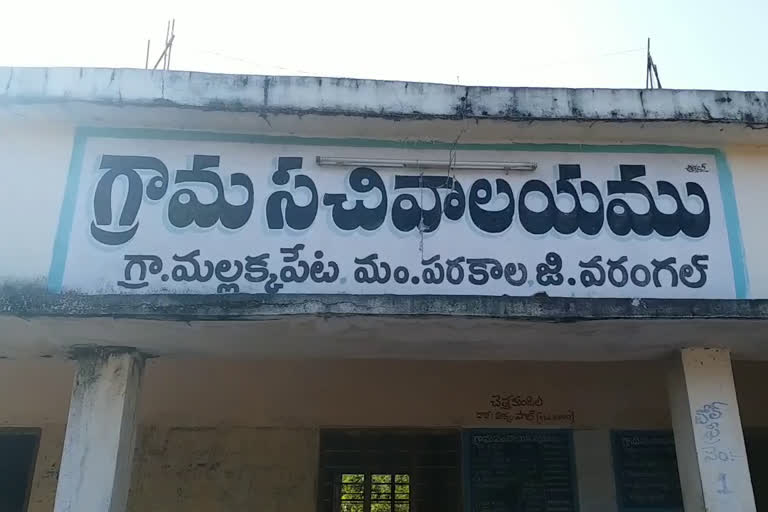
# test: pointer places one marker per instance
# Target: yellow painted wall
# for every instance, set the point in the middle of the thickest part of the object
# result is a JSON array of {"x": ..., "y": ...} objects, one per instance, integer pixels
[
  {"x": 228, "y": 468},
  {"x": 231, "y": 436}
]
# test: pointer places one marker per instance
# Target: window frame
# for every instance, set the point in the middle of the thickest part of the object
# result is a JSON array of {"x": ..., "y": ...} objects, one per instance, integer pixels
[
  {"x": 368, "y": 483},
  {"x": 429, "y": 456}
]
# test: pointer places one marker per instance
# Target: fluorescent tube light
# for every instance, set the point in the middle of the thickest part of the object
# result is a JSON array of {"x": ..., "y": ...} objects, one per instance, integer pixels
[{"x": 329, "y": 161}]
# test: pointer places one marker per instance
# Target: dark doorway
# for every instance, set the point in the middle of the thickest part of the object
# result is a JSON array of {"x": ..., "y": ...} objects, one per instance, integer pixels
[{"x": 18, "y": 451}]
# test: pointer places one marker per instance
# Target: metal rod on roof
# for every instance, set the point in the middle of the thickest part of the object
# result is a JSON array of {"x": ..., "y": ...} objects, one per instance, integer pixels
[
  {"x": 647, "y": 64},
  {"x": 146, "y": 61},
  {"x": 651, "y": 71},
  {"x": 160, "y": 59},
  {"x": 165, "y": 52},
  {"x": 165, "y": 57},
  {"x": 656, "y": 72},
  {"x": 170, "y": 47},
  {"x": 170, "y": 43}
]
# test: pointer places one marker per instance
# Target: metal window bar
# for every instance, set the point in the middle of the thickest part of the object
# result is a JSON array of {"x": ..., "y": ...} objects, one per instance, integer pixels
[
  {"x": 429, "y": 458},
  {"x": 373, "y": 492}
]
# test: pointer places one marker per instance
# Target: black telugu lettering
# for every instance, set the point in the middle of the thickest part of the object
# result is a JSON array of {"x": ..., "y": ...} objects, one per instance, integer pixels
[
  {"x": 420, "y": 201},
  {"x": 281, "y": 208},
  {"x": 127, "y": 167},
  {"x": 361, "y": 180},
  {"x": 185, "y": 208}
]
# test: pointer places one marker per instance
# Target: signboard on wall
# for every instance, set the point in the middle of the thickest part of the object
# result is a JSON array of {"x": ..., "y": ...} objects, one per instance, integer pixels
[
  {"x": 184, "y": 212},
  {"x": 645, "y": 464},
  {"x": 519, "y": 471}
]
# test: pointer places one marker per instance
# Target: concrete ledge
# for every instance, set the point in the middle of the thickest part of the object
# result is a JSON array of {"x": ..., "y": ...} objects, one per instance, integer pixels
[
  {"x": 373, "y": 98},
  {"x": 23, "y": 303},
  {"x": 36, "y": 324}
]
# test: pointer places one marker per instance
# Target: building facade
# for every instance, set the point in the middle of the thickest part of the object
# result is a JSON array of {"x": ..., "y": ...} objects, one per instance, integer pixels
[{"x": 236, "y": 293}]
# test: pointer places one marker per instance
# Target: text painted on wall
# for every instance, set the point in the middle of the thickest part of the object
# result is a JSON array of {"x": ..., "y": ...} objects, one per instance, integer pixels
[{"x": 177, "y": 216}]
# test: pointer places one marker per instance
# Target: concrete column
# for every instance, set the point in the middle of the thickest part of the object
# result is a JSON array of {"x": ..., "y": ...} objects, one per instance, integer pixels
[
  {"x": 709, "y": 442},
  {"x": 98, "y": 447},
  {"x": 594, "y": 471}
]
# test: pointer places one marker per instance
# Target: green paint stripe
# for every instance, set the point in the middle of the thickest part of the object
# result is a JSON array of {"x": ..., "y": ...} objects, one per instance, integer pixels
[
  {"x": 67, "y": 215},
  {"x": 733, "y": 226},
  {"x": 141, "y": 133}
]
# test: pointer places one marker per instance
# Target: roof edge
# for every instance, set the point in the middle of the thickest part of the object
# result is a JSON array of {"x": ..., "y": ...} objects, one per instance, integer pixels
[
  {"x": 303, "y": 95},
  {"x": 28, "y": 301}
]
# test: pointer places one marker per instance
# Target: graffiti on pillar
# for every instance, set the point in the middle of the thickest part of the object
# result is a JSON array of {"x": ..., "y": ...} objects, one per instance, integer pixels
[
  {"x": 709, "y": 416},
  {"x": 708, "y": 419}
]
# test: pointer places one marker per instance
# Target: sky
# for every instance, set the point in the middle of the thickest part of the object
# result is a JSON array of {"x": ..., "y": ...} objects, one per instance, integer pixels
[{"x": 701, "y": 44}]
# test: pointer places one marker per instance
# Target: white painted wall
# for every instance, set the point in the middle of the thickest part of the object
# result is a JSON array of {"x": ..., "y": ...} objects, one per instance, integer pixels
[
  {"x": 95, "y": 267},
  {"x": 36, "y": 160},
  {"x": 749, "y": 166},
  {"x": 33, "y": 171}
]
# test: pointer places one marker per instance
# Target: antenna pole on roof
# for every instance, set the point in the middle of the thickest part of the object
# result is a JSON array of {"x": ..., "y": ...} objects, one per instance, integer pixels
[
  {"x": 647, "y": 65},
  {"x": 165, "y": 57},
  {"x": 173, "y": 36},
  {"x": 651, "y": 71},
  {"x": 165, "y": 53}
]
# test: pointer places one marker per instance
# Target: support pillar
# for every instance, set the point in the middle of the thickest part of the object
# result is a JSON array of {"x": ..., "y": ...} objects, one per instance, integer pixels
[
  {"x": 709, "y": 441},
  {"x": 96, "y": 462}
]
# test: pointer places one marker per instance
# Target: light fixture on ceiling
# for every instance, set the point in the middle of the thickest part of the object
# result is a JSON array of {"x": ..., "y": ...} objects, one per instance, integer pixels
[{"x": 392, "y": 163}]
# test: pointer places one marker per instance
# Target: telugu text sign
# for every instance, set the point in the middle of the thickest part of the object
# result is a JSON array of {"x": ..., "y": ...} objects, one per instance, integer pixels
[{"x": 196, "y": 216}]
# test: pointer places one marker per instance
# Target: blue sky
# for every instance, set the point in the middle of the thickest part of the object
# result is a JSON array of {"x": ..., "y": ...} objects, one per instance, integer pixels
[{"x": 704, "y": 44}]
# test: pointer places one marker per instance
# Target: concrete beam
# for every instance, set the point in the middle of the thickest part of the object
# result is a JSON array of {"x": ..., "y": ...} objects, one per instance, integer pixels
[
  {"x": 96, "y": 462},
  {"x": 34, "y": 300},
  {"x": 711, "y": 456},
  {"x": 373, "y": 98}
]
